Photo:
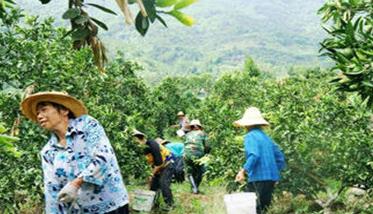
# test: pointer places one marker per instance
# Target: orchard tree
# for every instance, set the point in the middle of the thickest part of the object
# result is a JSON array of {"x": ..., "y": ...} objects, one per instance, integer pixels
[
  {"x": 349, "y": 24},
  {"x": 6, "y": 141}
]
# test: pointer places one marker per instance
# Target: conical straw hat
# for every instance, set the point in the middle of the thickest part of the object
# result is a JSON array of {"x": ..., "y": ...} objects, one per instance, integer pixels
[{"x": 251, "y": 117}]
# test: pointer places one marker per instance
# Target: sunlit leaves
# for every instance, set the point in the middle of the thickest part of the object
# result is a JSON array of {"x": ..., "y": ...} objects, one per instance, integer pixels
[
  {"x": 350, "y": 44},
  {"x": 182, "y": 17},
  {"x": 165, "y": 3},
  {"x": 183, "y": 3},
  {"x": 6, "y": 143}
]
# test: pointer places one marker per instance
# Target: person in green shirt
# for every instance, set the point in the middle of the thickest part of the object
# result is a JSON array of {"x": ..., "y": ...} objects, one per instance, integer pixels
[{"x": 196, "y": 146}]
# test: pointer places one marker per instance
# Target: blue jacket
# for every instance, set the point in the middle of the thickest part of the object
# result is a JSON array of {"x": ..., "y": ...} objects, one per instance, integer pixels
[{"x": 264, "y": 159}]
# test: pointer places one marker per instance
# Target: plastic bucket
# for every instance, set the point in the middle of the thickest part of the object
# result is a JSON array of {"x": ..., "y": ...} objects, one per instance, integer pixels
[
  {"x": 143, "y": 200},
  {"x": 240, "y": 203}
]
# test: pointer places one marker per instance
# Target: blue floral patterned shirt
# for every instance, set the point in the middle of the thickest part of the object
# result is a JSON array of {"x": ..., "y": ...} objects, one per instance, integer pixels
[{"x": 88, "y": 154}]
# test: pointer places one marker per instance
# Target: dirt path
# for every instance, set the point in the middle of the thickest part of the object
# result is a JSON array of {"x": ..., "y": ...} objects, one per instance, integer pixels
[{"x": 209, "y": 202}]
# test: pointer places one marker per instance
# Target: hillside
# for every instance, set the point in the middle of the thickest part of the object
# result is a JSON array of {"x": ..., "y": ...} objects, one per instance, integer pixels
[{"x": 277, "y": 34}]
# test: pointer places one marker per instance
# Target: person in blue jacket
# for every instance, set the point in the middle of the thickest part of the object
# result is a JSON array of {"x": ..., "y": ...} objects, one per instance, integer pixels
[{"x": 264, "y": 159}]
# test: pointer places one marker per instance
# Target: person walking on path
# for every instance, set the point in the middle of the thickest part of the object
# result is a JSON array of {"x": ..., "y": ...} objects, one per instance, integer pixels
[
  {"x": 264, "y": 159},
  {"x": 196, "y": 146},
  {"x": 81, "y": 173},
  {"x": 161, "y": 159}
]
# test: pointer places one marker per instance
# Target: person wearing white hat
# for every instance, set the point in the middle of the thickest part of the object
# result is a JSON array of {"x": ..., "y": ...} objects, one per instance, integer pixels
[
  {"x": 196, "y": 146},
  {"x": 183, "y": 123},
  {"x": 264, "y": 159},
  {"x": 81, "y": 172}
]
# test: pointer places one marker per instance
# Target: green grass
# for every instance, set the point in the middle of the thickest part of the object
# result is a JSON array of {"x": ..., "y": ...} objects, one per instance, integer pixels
[{"x": 210, "y": 201}]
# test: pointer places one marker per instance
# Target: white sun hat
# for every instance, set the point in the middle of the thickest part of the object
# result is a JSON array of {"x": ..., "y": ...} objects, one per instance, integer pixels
[
  {"x": 195, "y": 122},
  {"x": 251, "y": 117}
]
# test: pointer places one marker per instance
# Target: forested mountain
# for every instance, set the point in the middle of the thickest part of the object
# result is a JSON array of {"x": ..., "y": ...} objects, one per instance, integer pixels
[{"x": 277, "y": 34}]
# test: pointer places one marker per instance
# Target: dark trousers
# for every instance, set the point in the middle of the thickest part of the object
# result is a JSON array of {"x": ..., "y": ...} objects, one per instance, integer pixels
[
  {"x": 120, "y": 210},
  {"x": 264, "y": 191},
  {"x": 194, "y": 169},
  {"x": 179, "y": 174},
  {"x": 163, "y": 181}
]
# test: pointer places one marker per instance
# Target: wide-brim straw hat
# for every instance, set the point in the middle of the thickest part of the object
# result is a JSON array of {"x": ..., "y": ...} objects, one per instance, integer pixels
[
  {"x": 251, "y": 117},
  {"x": 180, "y": 113},
  {"x": 138, "y": 133},
  {"x": 194, "y": 122},
  {"x": 29, "y": 104}
]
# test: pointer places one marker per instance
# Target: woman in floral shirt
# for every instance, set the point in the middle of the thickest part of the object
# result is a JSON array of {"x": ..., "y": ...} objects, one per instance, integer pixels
[{"x": 81, "y": 173}]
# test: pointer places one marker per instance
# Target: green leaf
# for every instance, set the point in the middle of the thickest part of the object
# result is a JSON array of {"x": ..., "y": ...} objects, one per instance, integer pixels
[
  {"x": 182, "y": 17},
  {"x": 355, "y": 2},
  {"x": 2, "y": 128},
  {"x": 142, "y": 24},
  {"x": 369, "y": 84},
  {"x": 160, "y": 19},
  {"x": 81, "y": 19},
  {"x": 165, "y": 3},
  {"x": 367, "y": 52},
  {"x": 6, "y": 4},
  {"x": 99, "y": 23},
  {"x": 183, "y": 3},
  {"x": 10, "y": 2},
  {"x": 71, "y": 13},
  {"x": 357, "y": 73},
  {"x": 336, "y": 79},
  {"x": 361, "y": 55},
  {"x": 347, "y": 52},
  {"x": 107, "y": 10},
  {"x": 80, "y": 34},
  {"x": 8, "y": 139}
]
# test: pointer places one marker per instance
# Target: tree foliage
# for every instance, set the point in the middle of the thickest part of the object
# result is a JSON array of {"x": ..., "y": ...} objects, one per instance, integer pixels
[
  {"x": 320, "y": 132},
  {"x": 6, "y": 143},
  {"x": 323, "y": 133},
  {"x": 350, "y": 45}
]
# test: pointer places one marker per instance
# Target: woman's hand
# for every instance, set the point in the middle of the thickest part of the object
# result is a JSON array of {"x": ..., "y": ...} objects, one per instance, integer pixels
[
  {"x": 69, "y": 192},
  {"x": 240, "y": 177},
  {"x": 77, "y": 182}
]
